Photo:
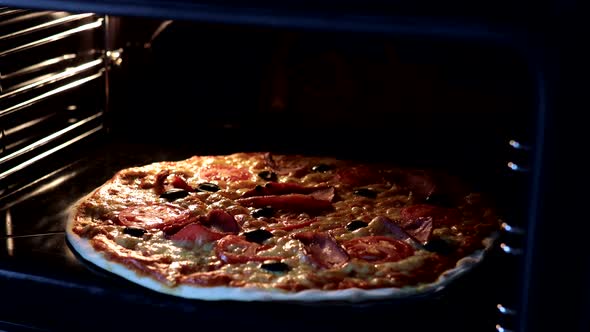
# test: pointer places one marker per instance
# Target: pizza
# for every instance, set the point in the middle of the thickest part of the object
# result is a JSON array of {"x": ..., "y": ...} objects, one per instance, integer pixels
[{"x": 264, "y": 226}]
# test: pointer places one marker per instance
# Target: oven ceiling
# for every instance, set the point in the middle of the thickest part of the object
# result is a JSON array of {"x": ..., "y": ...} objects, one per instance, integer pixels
[{"x": 358, "y": 15}]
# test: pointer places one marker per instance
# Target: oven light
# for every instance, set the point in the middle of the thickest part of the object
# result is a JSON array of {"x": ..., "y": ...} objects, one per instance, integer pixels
[
  {"x": 502, "y": 309},
  {"x": 517, "y": 145},
  {"x": 509, "y": 250},
  {"x": 510, "y": 229},
  {"x": 514, "y": 144},
  {"x": 513, "y": 166},
  {"x": 499, "y": 328}
]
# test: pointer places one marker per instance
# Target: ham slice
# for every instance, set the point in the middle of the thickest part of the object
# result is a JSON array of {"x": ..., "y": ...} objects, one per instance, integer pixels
[
  {"x": 283, "y": 169},
  {"x": 221, "y": 221},
  {"x": 212, "y": 227},
  {"x": 416, "y": 233},
  {"x": 421, "y": 184},
  {"x": 196, "y": 233},
  {"x": 419, "y": 228},
  {"x": 322, "y": 249}
]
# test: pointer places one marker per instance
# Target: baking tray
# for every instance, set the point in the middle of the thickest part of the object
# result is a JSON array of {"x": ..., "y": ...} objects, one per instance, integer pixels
[{"x": 48, "y": 286}]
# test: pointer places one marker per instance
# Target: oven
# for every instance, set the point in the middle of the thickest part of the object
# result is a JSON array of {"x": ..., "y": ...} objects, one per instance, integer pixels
[{"x": 88, "y": 88}]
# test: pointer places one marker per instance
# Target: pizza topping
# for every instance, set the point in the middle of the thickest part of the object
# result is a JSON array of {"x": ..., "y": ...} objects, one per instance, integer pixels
[
  {"x": 416, "y": 235},
  {"x": 265, "y": 211},
  {"x": 291, "y": 202},
  {"x": 322, "y": 249},
  {"x": 268, "y": 176},
  {"x": 365, "y": 192},
  {"x": 222, "y": 221},
  {"x": 326, "y": 194},
  {"x": 154, "y": 216},
  {"x": 134, "y": 231},
  {"x": 258, "y": 235},
  {"x": 378, "y": 249},
  {"x": 440, "y": 216},
  {"x": 421, "y": 184},
  {"x": 283, "y": 167},
  {"x": 174, "y": 194},
  {"x": 275, "y": 267},
  {"x": 159, "y": 181},
  {"x": 197, "y": 234},
  {"x": 384, "y": 226},
  {"x": 209, "y": 187},
  {"x": 241, "y": 228},
  {"x": 356, "y": 224},
  {"x": 235, "y": 249},
  {"x": 275, "y": 188},
  {"x": 419, "y": 228},
  {"x": 180, "y": 183},
  {"x": 359, "y": 175}
]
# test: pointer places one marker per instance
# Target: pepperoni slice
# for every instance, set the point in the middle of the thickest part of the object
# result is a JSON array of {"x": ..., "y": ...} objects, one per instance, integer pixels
[
  {"x": 440, "y": 215},
  {"x": 235, "y": 249},
  {"x": 223, "y": 172},
  {"x": 154, "y": 216},
  {"x": 378, "y": 249}
]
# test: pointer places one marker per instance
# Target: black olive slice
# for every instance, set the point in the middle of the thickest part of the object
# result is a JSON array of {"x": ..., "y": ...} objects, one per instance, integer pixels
[
  {"x": 266, "y": 211},
  {"x": 365, "y": 192},
  {"x": 439, "y": 246},
  {"x": 268, "y": 176},
  {"x": 134, "y": 231},
  {"x": 210, "y": 187},
  {"x": 440, "y": 200},
  {"x": 321, "y": 168},
  {"x": 257, "y": 236},
  {"x": 174, "y": 194},
  {"x": 356, "y": 224},
  {"x": 275, "y": 267}
]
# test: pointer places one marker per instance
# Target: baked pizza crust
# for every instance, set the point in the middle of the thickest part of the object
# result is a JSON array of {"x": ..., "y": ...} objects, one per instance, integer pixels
[{"x": 248, "y": 294}]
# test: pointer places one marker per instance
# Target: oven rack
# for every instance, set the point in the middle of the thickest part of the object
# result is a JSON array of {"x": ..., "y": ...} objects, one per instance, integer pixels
[{"x": 52, "y": 82}]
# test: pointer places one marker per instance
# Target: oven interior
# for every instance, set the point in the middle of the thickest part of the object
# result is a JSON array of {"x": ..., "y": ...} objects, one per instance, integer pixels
[{"x": 85, "y": 95}]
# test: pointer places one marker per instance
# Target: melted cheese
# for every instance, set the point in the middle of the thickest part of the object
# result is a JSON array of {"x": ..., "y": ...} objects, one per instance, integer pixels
[{"x": 135, "y": 186}]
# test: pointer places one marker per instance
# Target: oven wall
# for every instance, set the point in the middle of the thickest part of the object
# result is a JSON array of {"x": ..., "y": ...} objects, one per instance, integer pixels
[{"x": 206, "y": 88}]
